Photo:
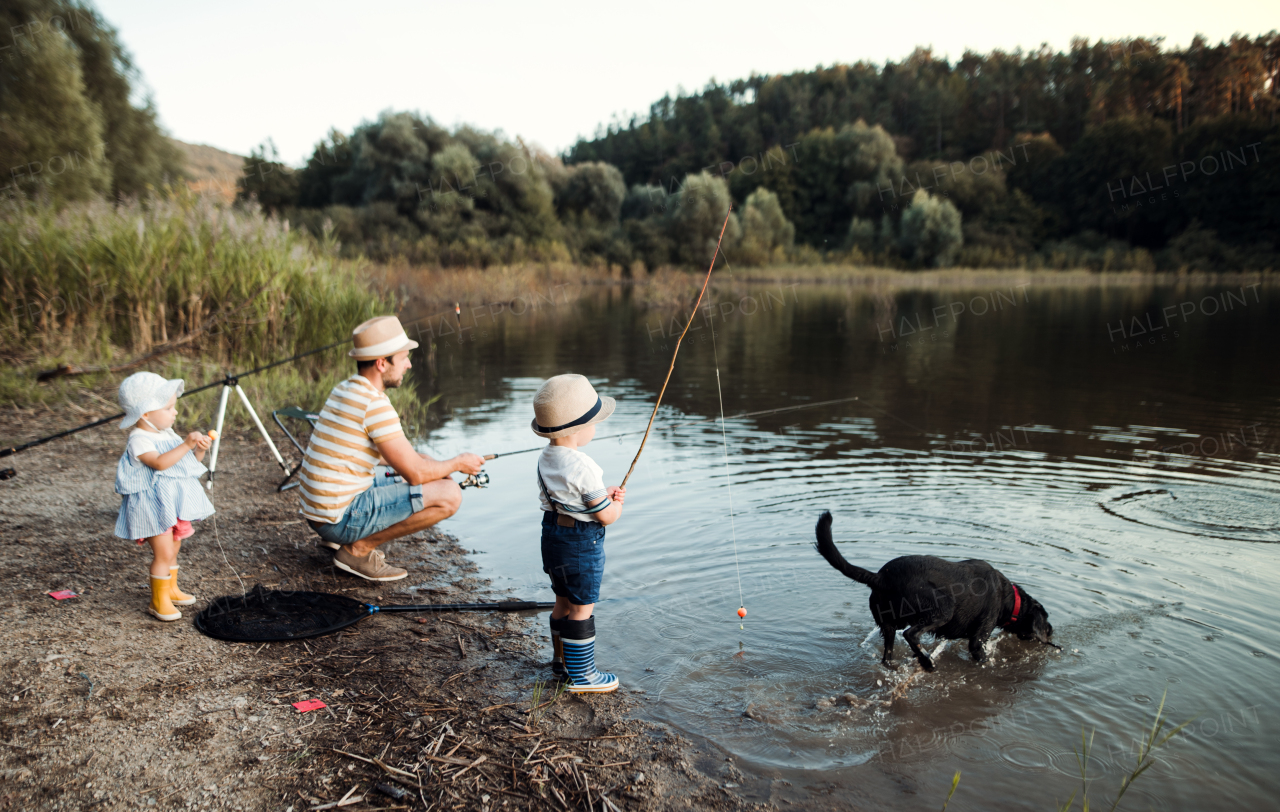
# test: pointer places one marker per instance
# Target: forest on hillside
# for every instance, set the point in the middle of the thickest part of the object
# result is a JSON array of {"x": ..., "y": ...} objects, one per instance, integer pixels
[
  {"x": 1109, "y": 155},
  {"x": 1155, "y": 149}
]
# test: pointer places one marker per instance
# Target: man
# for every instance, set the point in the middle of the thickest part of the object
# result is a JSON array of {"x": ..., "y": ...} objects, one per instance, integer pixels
[{"x": 350, "y": 493}]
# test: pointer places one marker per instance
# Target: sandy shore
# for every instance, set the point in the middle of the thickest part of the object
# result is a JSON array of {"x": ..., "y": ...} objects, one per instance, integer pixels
[{"x": 106, "y": 708}]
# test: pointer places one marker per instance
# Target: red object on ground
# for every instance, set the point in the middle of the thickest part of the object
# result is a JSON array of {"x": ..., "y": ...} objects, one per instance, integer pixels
[
  {"x": 309, "y": 705},
  {"x": 62, "y": 594},
  {"x": 742, "y": 612}
]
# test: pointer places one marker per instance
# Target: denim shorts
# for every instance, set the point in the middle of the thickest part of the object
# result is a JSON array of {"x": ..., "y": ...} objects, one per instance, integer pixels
[
  {"x": 387, "y": 501},
  {"x": 574, "y": 558}
]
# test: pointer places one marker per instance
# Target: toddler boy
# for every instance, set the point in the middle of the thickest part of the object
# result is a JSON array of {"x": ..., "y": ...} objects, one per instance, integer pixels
[{"x": 577, "y": 506}]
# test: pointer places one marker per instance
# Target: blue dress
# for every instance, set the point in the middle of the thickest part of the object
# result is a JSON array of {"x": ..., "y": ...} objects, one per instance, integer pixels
[{"x": 153, "y": 501}]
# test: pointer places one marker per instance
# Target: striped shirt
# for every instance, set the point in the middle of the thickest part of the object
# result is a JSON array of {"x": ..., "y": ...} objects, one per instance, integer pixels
[{"x": 343, "y": 450}]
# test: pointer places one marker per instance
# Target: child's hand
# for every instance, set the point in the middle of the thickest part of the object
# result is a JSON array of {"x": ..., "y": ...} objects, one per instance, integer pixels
[
  {"x": 617, "y": 494},
  {"x": 198, "y": 440}
]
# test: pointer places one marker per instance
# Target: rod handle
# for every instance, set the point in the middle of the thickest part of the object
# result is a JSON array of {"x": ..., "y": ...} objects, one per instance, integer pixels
[{"x": 500, "y": 606}]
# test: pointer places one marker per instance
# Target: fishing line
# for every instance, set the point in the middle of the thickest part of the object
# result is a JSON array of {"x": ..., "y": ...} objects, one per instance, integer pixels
[
  {"x": 742, "y": 603},
  {"x": 216, "y": 538},
  {"x": 694, "y": 422},
  {"x": 243, "y": 590}
]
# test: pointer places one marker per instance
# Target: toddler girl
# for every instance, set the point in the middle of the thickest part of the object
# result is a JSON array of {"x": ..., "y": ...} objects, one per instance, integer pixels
[{"x": 159, "y": 480}]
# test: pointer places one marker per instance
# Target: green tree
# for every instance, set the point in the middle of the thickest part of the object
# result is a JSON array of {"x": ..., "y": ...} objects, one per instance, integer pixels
[
  {"x": 767, "y": 234},
  {"x": 141, "y": 156},
  {"x": 591, "y": 191},
  {"x": 930, "y": 233},
  {"x": 418, "y": 189},
  {"x": 1101, "y": 179},
  {"x": 839, "y": 174},
  {"x": 68, "y": 127},
  {"x": 1227, "y": 178},
  {"x": 267, "y": 180},
  {"x": 695, "y": 221},
  {"x": 51, "y": 132},
  {"x": 330, "y": 160}
]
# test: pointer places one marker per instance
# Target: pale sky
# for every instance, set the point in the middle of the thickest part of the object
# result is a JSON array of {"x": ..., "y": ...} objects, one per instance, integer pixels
[{"x": 231, "y": 73}]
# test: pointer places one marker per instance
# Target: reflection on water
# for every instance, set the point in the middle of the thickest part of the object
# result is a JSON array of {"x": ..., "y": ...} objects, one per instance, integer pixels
[{"x": 1128, "y": 480}]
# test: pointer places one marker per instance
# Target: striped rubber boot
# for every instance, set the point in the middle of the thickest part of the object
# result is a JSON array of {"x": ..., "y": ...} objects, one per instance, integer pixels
[
  {"x": 579, "y": 640},
  {"x": 557, "y": 648}
]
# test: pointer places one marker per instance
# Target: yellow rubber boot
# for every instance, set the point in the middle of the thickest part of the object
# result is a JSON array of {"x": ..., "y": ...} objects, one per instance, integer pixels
[
  {"x": 176, "y": 596},
  {"x": 161, "y": 607}
]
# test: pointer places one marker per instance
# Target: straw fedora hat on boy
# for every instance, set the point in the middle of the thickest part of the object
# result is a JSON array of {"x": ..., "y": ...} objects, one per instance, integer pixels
[
  {"x": 379, "y": 337},
  {"x": 567, "y": 404}
]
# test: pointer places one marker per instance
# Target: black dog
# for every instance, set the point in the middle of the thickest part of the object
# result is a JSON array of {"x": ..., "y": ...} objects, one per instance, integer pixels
[{"x": 951, "y": 600}]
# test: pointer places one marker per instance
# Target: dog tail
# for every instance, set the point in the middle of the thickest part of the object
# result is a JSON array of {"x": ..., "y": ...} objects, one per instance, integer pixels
[{"x": 827, "y": 546}]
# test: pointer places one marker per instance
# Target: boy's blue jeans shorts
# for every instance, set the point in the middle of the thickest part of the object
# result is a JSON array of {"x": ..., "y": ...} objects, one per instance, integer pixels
[
  {"x": 574, "y": 558},
  {"x": 389, "y": 500}
]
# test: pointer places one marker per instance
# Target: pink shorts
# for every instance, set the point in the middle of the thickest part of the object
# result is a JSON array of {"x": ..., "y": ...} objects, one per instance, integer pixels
[{"x": 181, "y": 530}]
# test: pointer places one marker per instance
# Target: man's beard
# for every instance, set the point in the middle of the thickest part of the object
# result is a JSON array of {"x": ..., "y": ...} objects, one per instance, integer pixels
[{"x": 390, "y": 383}]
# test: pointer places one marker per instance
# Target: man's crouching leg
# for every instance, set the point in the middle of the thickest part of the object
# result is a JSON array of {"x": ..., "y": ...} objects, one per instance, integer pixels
[{"x": 433, "y": 502}]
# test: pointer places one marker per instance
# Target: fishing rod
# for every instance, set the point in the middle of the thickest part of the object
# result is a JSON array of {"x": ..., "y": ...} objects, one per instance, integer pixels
[
  {"x": 760, "y": 413},
  {"x": 672, "y": 368},
  {"x": 227, "y": 379}
]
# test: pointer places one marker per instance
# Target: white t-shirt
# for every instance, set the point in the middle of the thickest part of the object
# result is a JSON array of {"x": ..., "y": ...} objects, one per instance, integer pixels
[
  {"x": 141, "y": 441},
  {"x": 572, "y": 477}
]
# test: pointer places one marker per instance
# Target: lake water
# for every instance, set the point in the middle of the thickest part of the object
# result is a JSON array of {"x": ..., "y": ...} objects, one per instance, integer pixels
[{"x": 1112, "y": 450}]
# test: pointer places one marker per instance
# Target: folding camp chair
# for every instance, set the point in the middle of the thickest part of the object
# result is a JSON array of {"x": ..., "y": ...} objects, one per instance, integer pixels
[{"x": 295, "y": 413}]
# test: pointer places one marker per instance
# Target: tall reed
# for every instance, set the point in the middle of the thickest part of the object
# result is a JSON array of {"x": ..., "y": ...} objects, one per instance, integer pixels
[
  {"x": 98, "y": 282},
  {"x": 206, "y": 288}
]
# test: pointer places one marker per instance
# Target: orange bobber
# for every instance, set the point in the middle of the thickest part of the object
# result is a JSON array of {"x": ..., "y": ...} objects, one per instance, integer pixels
[{"x": 742, "y": 612}]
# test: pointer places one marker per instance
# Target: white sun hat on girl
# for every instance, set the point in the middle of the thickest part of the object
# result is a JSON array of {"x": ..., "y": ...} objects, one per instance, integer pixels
[{"x": 144, "y": 392}]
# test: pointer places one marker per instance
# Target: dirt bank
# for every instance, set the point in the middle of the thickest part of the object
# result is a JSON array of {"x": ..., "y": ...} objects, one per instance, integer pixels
[{"x": 105, "y": 708}]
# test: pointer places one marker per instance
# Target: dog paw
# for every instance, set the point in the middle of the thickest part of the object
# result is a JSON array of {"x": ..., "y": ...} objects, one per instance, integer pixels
[{"x": 927, "y": 664}]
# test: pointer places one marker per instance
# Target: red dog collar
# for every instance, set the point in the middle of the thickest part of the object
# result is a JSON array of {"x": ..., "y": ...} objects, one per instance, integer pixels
[{"x": 1017, "y": 605}]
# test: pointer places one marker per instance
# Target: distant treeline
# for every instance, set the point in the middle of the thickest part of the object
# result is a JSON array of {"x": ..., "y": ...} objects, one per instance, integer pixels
[
  {"x": 1110, "y": 155},
  {"x": 1113, "y": 155},
  {"x": 1114, "y": 144}
]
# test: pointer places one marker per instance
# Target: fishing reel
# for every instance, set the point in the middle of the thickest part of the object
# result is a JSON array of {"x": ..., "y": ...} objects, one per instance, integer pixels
[{"x": 475, "y": 480}]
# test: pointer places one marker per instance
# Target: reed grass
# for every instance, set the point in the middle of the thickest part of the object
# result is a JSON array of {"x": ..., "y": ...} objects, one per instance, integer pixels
[
  {"x": 208, "y": 289},
  {"x": 1150, "y": 743},
  {"x": 100, "y": 282},
  {"x": 537, "y": 706},
  {"x": 955, "y": 782}
]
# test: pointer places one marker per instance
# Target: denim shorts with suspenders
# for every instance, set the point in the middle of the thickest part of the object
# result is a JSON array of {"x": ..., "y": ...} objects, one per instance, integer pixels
[{"x": 572, "y": 550}]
